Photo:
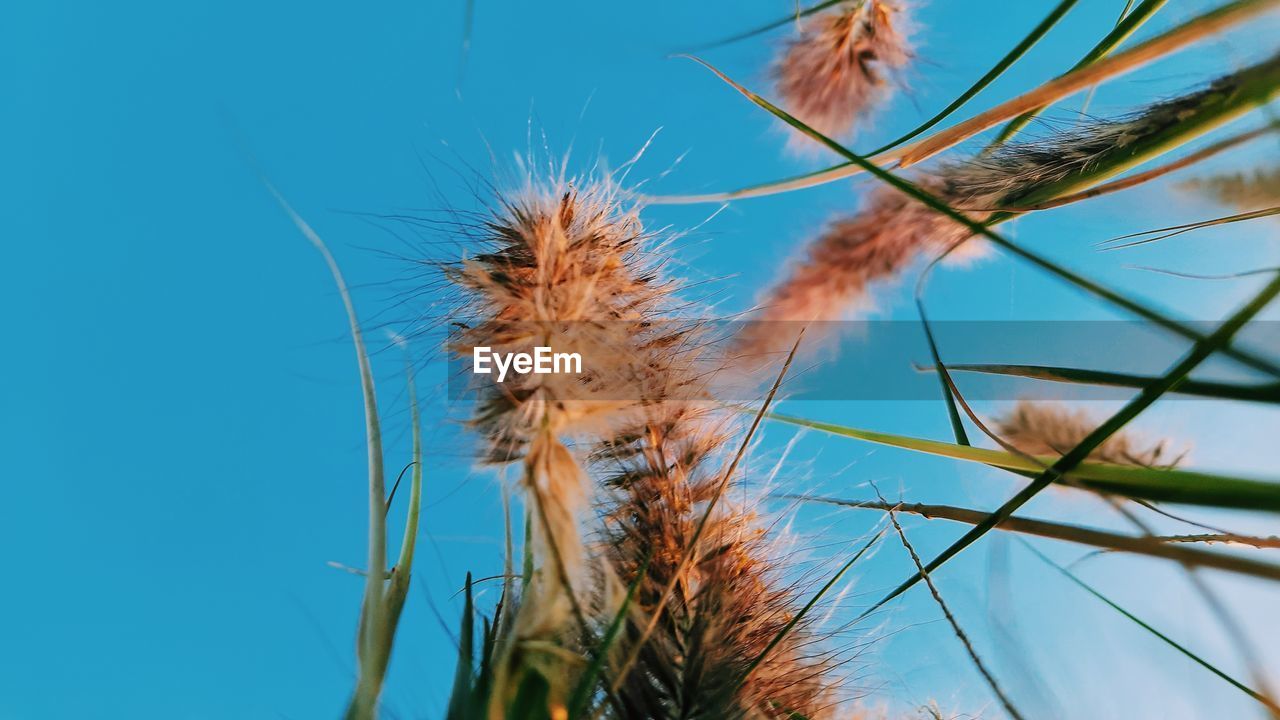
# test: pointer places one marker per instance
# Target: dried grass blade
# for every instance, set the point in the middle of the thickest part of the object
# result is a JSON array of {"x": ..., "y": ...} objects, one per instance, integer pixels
[{"x": 1267, "y": 393}]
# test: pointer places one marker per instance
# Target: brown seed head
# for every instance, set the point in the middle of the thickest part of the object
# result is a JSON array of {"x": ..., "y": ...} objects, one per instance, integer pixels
[
  {"x": 1050, "y": 429},
  {"x": 838, "y": 68}
]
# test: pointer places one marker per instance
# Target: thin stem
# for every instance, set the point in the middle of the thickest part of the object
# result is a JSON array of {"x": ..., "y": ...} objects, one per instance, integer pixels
[
  {"x": 955, "y": 624},
  {"x": 1163, "y": 547}
]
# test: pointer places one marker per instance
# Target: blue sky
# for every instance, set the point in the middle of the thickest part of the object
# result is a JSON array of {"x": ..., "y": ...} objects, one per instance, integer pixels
[{"x": 182, "y": 439}]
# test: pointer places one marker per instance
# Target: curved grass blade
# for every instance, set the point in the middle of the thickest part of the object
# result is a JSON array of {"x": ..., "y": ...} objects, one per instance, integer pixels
[
  {"x": 398, "y": 586},
  {"x": 1162, "y": 547},
  {"x": 953, "y": 414},
  {"x": 1201, "y": 276},
  {"x": 1209, "y": 23},
  {"x": 372, "y": 645},
  {"x": 1270, "y": 78},
  {"x": 1267, "y": 393},
  {"x": 1128, "y": 23},
  {"x": 1165, "y": 638},
  {"x": 1145, "y": 398},
  {"x": 1174, "y": 230},
  {"x": 991, "y": 75},
  {"x": 1180, "y": 486}
]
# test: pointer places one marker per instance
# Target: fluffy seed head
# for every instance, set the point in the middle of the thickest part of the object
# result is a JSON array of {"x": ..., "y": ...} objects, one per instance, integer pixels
[
  {"x": 851, "y": 256},
  {"x": 572, "y": 269},
  {"x": 1010, "y": 172},
  {"x": 569, "y": 268},
  {"x": 838, "y": 68},
  {"x": 729, "y": 602},
  {"x": 892, "y": 230},
  {"x": 1243, "y": 191},
  {"x": 1049, "y": 429}
]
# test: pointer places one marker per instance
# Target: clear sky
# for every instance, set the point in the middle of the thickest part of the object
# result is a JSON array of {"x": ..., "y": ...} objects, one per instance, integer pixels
[{"x": 180, "y": 429}]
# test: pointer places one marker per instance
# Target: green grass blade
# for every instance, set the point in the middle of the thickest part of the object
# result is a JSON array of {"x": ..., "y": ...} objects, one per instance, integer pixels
[
  {"x": 795, "y": 619},
  {"x": 1197, "y": 28},
  {"x": 600, "y": 653},
  {"x": 991, "y": 75},
  {"x": 1266, "y": 392},
  {"x": 460, "y": 698},
  {"x": 841, "y": 170},
  {"x": 953, "y": 414},
  {"x": 1174, "y": 230},
  {"x": 1155, "y": 484},
  {"x": 1145, "y": 398},
  {"x": 371, "y": 650},
  {"x": 398, "y": 587},
  {"x": 1165, "y": 638},
  {"x": 1130, "y": 21},
  {"x": 533, "y": 698}
]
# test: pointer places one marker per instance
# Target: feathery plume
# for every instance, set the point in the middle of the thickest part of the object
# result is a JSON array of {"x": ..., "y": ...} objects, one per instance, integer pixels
[
  {"x": 837, "y": 70},
  {"x": 854, "y": 252},
  {"x": 570, "y": 266},
  {"x": 729, "y": 602},
  {"x": 892, "y": 230},
  {"x": 1244, "y": 191},
  {"x": 565, "y": 268},
  {"x": 1048, "y": 429}
]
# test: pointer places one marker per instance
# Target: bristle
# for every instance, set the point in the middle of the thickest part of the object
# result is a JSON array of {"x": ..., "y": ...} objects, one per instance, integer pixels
[
  {"x": 1050, "y": 429},
  {"x": 839, "y": 67},
  {"x": 1243, "y": 191}
]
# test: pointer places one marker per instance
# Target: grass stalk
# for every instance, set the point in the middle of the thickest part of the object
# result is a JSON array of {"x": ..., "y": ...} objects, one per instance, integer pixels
[
  {"x": 1198, "y": 28},
  {"x": 984, "y": 228},
  {"x": 1171, "y": 547},
  {"x": 1128, "y": 23},
  {"x": 969, "y": 649},
  {"x": 1038, "y": 32}
]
